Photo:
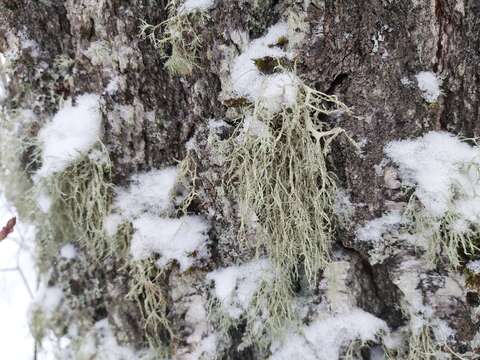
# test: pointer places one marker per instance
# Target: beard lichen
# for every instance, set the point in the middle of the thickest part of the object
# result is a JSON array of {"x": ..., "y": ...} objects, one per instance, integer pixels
[
  {"x": 176, "y": 38},
  {"x": 81, "y": 196},
  {"x": 286, "y": 194}
]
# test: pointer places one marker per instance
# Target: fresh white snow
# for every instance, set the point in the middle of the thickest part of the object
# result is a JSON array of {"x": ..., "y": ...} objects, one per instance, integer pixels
[
  {"x": 474, "y": 266},
  {"x": 235, "y": 286},
  {"x": 68, "y": 251},
  {"x": 149, "y": 192},
  {"x": 273, "y": 90},
  {"x": 190, "y": 6},
  {"x": 72, "y": 132},
  {"x": 429, "y": 84},
  {"x": 444, "y": 171},
  {"x": 323, "y": 339},
  {"x": 374, "y": 229},
  {"x": 181, "y": 239}
]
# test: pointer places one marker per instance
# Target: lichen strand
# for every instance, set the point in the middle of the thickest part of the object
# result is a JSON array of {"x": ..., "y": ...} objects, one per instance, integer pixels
[
  {"x": 81, "y": 197},
  {"x": 283, "y": 183},
  {"x": 147, "y": 288},
  {"x": 443, "y": 241},
  {"x": 176, "y": 38},
  {"x": 286, "y": 193},
  {"x": 18, "y": 156}
]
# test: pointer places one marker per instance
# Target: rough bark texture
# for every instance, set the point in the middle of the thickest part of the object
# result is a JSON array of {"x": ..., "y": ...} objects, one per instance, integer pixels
[{"x": 357, "y": 50}]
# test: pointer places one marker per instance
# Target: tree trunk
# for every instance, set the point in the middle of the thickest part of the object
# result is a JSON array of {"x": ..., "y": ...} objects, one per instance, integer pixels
[{"x": 369, "y": 54}]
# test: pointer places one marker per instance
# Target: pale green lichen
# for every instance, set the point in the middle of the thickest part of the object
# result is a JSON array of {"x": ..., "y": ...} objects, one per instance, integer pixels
[
  {"x": 284, "y": 186},
  {"x": 147, "y": 288},
  {"x": 81, "y": 197},
  {"x": 286, "y": 195},
  {"x": 176, "y": 38}
]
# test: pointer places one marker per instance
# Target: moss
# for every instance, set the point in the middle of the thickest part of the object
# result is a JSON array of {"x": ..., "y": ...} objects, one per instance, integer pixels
[
  {"x": 236, "y": 102},
  {"x": 176, "y": 38},
  {"x": 269, "y": 65}
]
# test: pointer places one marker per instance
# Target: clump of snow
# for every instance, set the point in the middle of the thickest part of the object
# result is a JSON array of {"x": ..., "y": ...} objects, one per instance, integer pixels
[
  {"x": 68, "y": 251},
  {"x": 100, "y": 343},
  {"x": 235, "y": 286},
  {"x": 111, "y": 224},
  {"x": 444, "y": 171},
  {"x": 474, "y": 266},
  {"x": 149, "y": 192},
  {"x": 190, "y": 6},
  {"x": 202, "y": 342},
  {"x": 429, "y": 84},
  {"x": 273, "y": 90},
  {"x": 324, "y": 338},
  {"x": 72, "y": 132},
  {"x": 374, "y": 229},
  {"x": 3, "y": 91},
  {"x": 112, "y": 86},
  {"x": 44, "y": 202},
  {"x": 173, "y": 239},
  {"x": 146, "y": 203}
]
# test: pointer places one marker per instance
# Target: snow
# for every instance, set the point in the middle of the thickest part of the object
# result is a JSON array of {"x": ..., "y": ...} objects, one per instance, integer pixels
[
  {"x": 44, "y": 202},
  {"x": 100, "y": 343},
  {"x": 273, "y": 90},
  {"x": 149, "y": 192},
  {"x": 72, "y": 132},
  {"x": 3, "y": 90},
  {"x": 191, "y": 6},
  {"x": 474, "y": 266},
  {"x": 173, "y": 239},
  {"x": 429, "y": 84},
  {"x": 235, "y": 286},
  {"x": 112, "y": 86},
  {"x": 374, "y": 229},
  {"x": 202, "y": 342},
  {"x": 324, "y": 338},
  {"x": 438, "y": 165},
  {"x": 111, "y": 224},
  {"x": 68, "y": 251},
  {"x": 146, "y": 203}
]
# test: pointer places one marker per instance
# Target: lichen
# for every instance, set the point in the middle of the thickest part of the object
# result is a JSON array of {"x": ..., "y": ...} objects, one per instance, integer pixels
[
  {"x": 176, "y": 38},
  {"x": 286, "y": 196}
]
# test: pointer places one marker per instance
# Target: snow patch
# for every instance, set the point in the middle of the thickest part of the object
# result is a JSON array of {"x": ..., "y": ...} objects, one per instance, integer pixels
[
  {"x": 235, "y": 286},
  {"x": 149, "y": 192},
  {"x": 374, "y": 229},
  {"x": 324, "y": 338},
  {"x": 429, "y": 84},
  {"x": 444, "y": 170},
  {"x": 68, "y": 251},
  {"x": 191, "y": 6},
  {"x": 173, "y": 239},
  {"x": 273, "y": 90},
  {"x": 72, "y": 132},
  {"x": 474, "y": 267},
  {"x": 100, "y": 343}
]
